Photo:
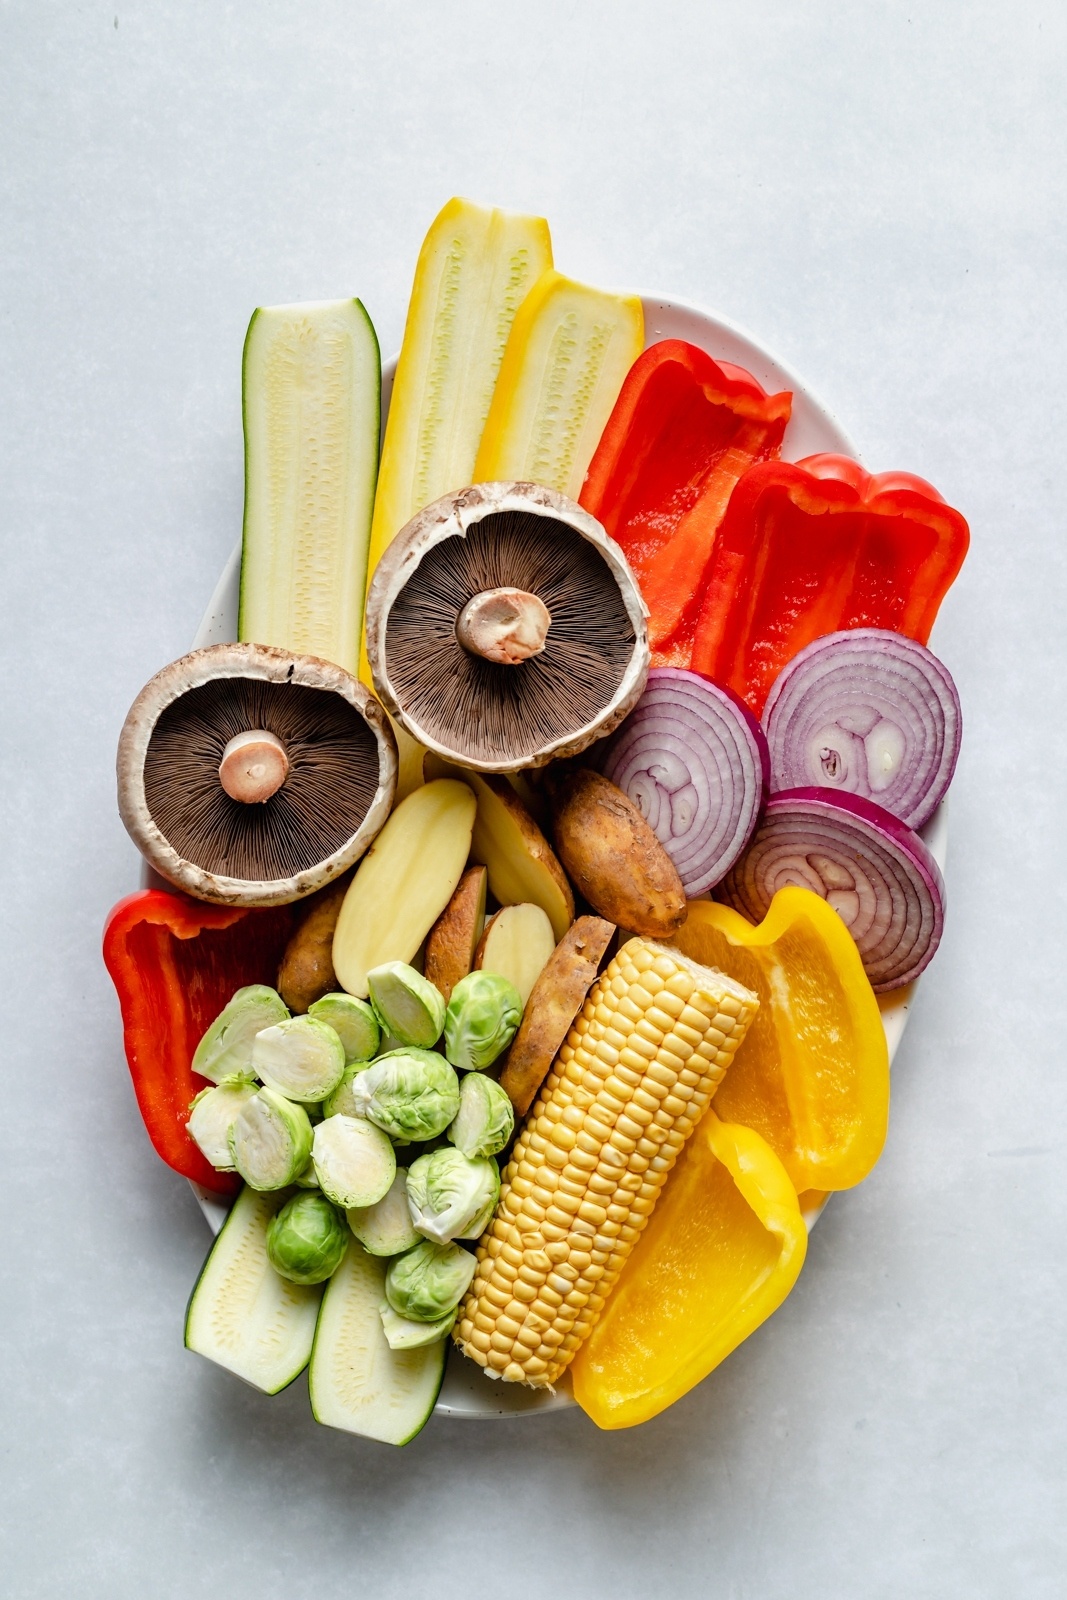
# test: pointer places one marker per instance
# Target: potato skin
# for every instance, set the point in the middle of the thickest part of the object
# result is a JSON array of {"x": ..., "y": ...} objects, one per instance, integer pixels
[
  {"x": 451, "y": 941},
  {"x": 306, "y": 972},
  {"x": 554, "y": 1002},
  {"x": 613, "y": 857}
]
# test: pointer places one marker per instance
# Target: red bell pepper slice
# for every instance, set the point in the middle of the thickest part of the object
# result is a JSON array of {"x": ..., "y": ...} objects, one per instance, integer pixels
[
  {"x": 174, "y": 963},
  {"x": 812, "y": 548},
  {"x": 683, "y": 431}
]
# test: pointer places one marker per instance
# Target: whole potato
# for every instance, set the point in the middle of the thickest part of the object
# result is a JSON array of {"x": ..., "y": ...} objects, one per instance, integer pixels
[{"x": 612, "y": 856}]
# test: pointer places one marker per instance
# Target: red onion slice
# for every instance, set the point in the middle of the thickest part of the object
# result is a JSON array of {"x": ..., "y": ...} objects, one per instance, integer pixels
[
  {"x": 870, "y": 713},
  {"x": 693, "y": 759},
  {"x": 876, "y": 873}
]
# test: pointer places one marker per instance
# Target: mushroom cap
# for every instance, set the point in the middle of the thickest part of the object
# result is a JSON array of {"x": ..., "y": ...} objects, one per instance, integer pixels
[
  {"x": 336, "y": 796},
  {"x": 487, "y": 715}
]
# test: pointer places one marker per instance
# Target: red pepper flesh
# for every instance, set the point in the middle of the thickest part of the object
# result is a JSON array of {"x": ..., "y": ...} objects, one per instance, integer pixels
[
  {"x": 683, "y": 431},
  {"x": 175, "y": 962},
  {"x": 814, "y": 547}
]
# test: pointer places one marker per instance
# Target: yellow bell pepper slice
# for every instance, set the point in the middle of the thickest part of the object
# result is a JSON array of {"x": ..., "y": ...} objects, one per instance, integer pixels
[
  {"x": 813, "y": 1076},
  {"x": 721, "y": 1251},
  {"x": 569, "y": 351}
]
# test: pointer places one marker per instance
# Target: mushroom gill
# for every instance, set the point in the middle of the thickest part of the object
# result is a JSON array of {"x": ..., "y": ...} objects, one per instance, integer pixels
[
  {"x": 512, "y": 712},
  {"x": 328, "y": 789}
]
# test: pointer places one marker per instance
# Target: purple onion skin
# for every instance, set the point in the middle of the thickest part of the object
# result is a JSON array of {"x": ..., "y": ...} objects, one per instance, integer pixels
[
  {"x": 874, "y": 870},
  {"x": 694, "y": 760},
  {"x": 891, "y": 690}
]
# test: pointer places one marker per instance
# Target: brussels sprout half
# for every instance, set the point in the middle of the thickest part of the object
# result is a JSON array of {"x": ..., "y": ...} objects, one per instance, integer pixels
[
  {"x": 302, "y": 1059},
  {"x": 410, "y": 1007},
  {"x": 226, "y": 1048},
  {"x": 485, "y": 1120},
  {"x": 354, "y": 1161},
  {"x": 428, "y": 1282},
  {"x": 481, "y": 1020},
  {"x": 270, "y": 1141},
  {"x": 450, "y": 1196},
  {"x": 412, "y": 1094},
  {"x": 213, "y": 1113},
  {"x": 354, "y": 1023}
]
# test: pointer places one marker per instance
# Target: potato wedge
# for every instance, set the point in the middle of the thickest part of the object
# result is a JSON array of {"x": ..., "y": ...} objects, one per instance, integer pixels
[
  {"x": 613, "y": 856},
  {"x": 555, "y": 1000},
  {"x": 454, "y": 937},
  {"x": 306, "y": 971},
  {"x": 517, "y": 943},
  {"x": 404, "y": 881},
  {"x": 522, "y": 864}
]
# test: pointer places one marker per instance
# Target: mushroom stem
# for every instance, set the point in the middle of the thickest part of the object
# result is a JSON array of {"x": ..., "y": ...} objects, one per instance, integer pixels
[
  {"x": 504, "y": 625},
  {"x": 254, "y": 766}
]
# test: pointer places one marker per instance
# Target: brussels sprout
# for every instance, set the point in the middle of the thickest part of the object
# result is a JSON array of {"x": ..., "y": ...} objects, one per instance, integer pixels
[
  {"x": 213, "y": 1113},
  {"x": 341, "y": 1101},
  {"x": 306, "y": 1240},
  {"x": 409, "y": 1005},
  {"x": 302, "y": 1059},
  {"x": 354, "y": 1023},
  {"x": 386, "y": 1229},
  {"x": 451, "y": 1197},
  {"x": 226, "y": 1048},
  {"x": 270, "y": 1141},
  {"x": 401, "y": 1334},
  {"x": 354, "y": 1161},
  {"x": 412, "y": 1094},
  {"x": 485, "y": 1119},
  {"x": 481, "y": 1020},
  {"x": 428, "y": 1282}
]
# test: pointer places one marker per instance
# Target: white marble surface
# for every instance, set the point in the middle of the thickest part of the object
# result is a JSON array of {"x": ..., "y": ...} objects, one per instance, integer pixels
[{"x": 873, "y": 188}]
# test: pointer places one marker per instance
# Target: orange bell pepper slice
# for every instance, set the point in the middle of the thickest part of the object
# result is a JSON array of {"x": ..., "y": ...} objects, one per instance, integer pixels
[
  {"x": 813, "y": 1074},
  {"x": 721, "y": 1251}
]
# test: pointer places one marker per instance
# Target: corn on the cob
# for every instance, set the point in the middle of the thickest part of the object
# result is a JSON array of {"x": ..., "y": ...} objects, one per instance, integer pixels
[{"x": 631, "y": 1082}]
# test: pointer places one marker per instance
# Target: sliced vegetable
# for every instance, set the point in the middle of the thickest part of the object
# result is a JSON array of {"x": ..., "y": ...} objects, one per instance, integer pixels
[
  {"x": 354, "y": 1023},
  {"x": 452, "y": 1196},
  {"x": 813, "y": 1078},
  {"x": 356, "y": 1381},
  {"x": 213, "y": 1113},
  {"x": 868, "y": 712},
  {"x": 342, "y": 1101},
  {"x": 813, "y": 548},
  {"x": 306, "y": 973},
  {"x": 410, "y": 1007},
  {"x": 403, "y": 1334},
  {"x": 306, "y": 1239},
  {"x": 569, "y": 350},
  {"x": 693, "y": 759},
  {"x": 475, "y": 268},
  {"x": 720, "y": 1253},
  {"x": 175, "y": 963},
  {"x": 225, "y": 1050},
  {"x": 302, "y": 1059},
  {"x": 481, "y": 1019},
  {"x": 270, "y": 1141},
  {"x": 517, "y": 943},
  {"x": 613, "y": 856},
  {"x": 876, "y": 873},
  {"x": 386, "y": 1228},
  {"x": 428, "y": 1282},
  {"x": 354, "y": 1161},
  {"x": 521, "y": 863},
  {"x": 404, "y": 883},
  {"x": 241, "y": 1314},
  {"x": 554, "y": 1002},
  {"x": 485, "y": 1120},
  {"x": 683, "y": 431},
  {"x": 632, "y": 1080},
  {"x": 312, "y": 414},
  {"x": 453, "y": 939}
]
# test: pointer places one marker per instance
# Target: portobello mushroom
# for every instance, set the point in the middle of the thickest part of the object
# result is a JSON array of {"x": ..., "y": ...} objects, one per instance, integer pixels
[
  {"x": 505, "y": 629},
  {"x": 251, "y": 776}
]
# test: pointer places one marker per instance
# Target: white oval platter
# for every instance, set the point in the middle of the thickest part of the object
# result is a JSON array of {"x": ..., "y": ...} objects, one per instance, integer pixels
[{"x": 812, "y": 428}]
